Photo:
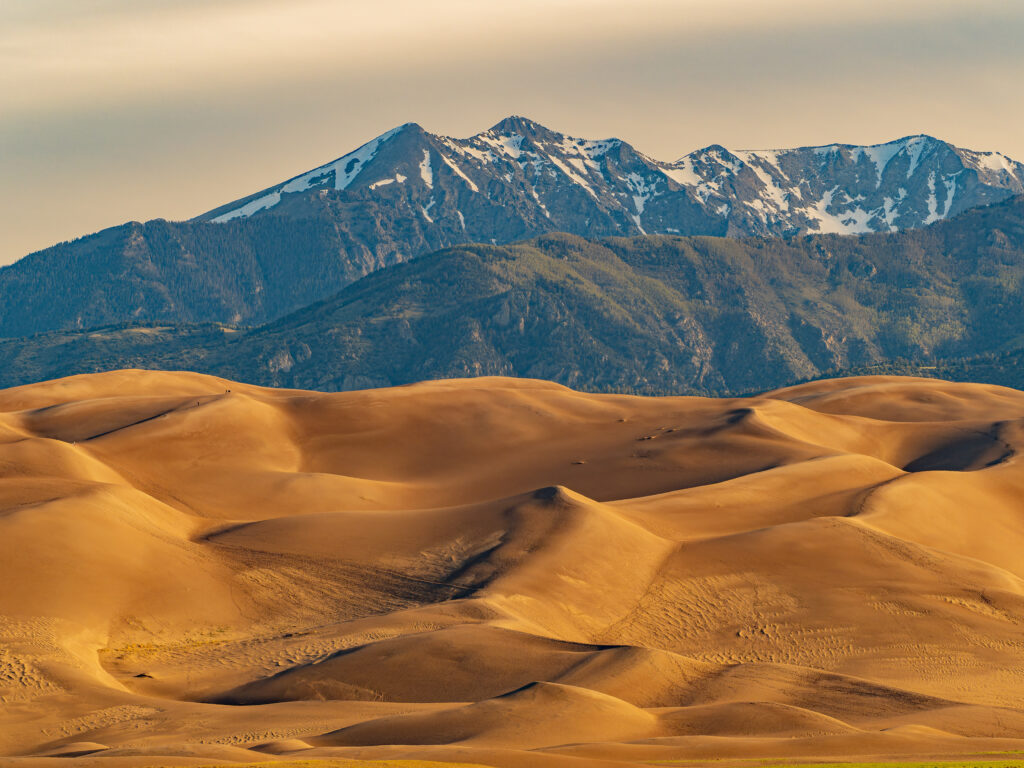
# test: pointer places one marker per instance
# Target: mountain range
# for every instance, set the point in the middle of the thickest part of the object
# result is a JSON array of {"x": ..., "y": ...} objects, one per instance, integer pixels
[
  {"x": 520, "y": 178},
  {"x": 647, "y": 314},
  {"x": 409, "y": 192}
]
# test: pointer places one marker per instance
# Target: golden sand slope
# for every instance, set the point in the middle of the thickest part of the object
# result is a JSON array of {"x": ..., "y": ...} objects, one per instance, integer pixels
[{"x": 507, "y": 572}]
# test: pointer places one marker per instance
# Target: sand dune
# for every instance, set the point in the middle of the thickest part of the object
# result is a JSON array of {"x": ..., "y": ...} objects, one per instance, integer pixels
[
  {"x": 507, "y": 572},
  {"x": 537, "y": 715}
]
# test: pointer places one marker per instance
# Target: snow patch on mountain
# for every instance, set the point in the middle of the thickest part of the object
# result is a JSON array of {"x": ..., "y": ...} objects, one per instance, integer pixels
[
  {"x": 915, "y": 147},
  {"x": 564, "y": 168},
  {"x": 850, "y": 222},
  {"x": 426, "y": 172},
  {"x": 681, "y": 173},
  {"x": 458, "y": 172},
  {"x": 950, "y": 183},
  {"x": 933, "y": 204},
  {"x": 254, "y": 206},
  {"x": 426, "y": 210},
  {"x": 342, "y": 171},
  {"x": 773, "y": 193},
  {"x": 399, "y": 178},
  {"x": 506, "y": 146},
  {"x": 643, "y": 191},
  {"x": 880, "y": 155}
]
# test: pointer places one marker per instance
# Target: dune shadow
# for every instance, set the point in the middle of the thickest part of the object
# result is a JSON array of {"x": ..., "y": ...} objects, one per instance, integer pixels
[{"x": 964, "y": 454}]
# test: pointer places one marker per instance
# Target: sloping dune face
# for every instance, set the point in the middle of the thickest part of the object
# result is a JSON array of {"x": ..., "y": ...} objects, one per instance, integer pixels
[{"x": 507, "y": 572}]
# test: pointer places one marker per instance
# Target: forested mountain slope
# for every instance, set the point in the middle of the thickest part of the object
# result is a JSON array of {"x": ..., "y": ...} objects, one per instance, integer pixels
[{"x": 646, "y": 314}]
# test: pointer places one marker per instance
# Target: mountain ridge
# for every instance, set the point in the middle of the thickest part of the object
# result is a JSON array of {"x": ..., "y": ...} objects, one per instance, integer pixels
[
  {"x": 408, "y": 193},
  {"x": 765, "y": 189},
  {"x": 650, "y": 314}
]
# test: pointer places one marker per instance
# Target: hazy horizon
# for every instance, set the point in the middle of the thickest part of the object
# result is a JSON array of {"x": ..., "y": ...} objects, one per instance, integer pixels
[{"x": 115, "y": 112}]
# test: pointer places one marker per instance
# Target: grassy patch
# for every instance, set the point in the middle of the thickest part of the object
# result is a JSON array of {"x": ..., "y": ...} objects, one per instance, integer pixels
[{"x": 193, "y": 640}]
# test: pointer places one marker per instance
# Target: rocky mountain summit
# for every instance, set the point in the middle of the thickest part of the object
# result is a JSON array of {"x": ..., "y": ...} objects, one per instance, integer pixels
[{"x": 520, "y": 178}]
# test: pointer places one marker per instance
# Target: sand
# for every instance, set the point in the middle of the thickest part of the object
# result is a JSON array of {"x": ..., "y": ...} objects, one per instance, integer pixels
[{"x": 509, "y": 573}]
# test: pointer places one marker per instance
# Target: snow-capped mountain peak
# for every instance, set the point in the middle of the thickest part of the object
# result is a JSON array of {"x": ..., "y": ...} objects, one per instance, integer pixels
[{"x": 520, "y": 178}]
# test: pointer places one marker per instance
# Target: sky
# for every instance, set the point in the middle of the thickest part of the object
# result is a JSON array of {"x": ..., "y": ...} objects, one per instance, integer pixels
[{"x": 119, "y": 110}]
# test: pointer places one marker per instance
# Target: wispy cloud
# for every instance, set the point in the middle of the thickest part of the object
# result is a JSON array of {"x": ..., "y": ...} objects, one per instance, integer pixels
[{"x": 56, "y": 54}]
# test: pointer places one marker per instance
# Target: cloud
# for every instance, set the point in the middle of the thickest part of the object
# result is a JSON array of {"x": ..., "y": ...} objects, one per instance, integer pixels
[
  {"x": 118, "y": 109},
  {"x": 64, "y": 55}
]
